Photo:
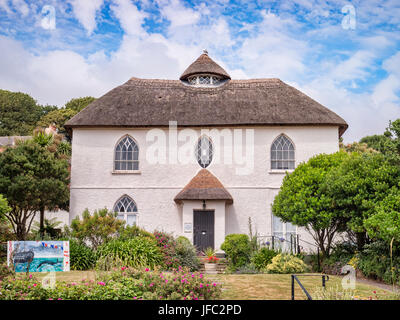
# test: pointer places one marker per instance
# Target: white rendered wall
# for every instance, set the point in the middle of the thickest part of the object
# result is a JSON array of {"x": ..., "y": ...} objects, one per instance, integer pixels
[{"x": 94, "y": 185}]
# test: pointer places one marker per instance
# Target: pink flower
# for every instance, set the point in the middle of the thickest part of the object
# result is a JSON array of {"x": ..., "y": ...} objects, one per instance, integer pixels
[
  {"x": 30, "y": 276},
  {"x": 147, "y": 269},
  {"x": 201, "y": 285},
  {"x": 101, "y": 283},
  {"x": 59, "y": 299},
  {"x": 166, "y": 280},
  {"x": 73, "y": 284},
  {"x": 151, "y": 284},
  {"x": 214, "y": 284},
  {"x": 134, "y": 298},
  {"x": 34, "y": 284}
]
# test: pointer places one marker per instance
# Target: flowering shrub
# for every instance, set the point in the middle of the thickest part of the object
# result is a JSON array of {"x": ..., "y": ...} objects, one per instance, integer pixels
[
  {"x": 124, "y": 284},
  {"x": 285, "y": 263},
  {"x": 167, "y": 245}
]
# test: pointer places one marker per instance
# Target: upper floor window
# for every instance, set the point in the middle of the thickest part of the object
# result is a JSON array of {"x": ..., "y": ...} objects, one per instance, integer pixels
[
  {"x": 282, "y": 153},
  {"x": 204, "y": 151},
  {"x": 126, "y": 155},
  {"x": 126, "y": 210}
]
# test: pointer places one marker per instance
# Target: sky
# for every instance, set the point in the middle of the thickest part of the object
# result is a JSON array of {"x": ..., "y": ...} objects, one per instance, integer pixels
[{"x": 345, "y": 55}]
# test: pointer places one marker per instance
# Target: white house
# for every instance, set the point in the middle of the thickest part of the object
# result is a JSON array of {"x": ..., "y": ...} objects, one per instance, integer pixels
[{"x": 196, "y": 156}]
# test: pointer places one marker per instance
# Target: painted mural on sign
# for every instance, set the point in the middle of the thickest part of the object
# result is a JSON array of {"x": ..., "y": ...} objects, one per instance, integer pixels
[{"x": 38, "y": 256}]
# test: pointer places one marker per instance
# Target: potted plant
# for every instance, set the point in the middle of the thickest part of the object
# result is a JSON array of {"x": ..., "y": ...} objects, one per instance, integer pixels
[{"x": 210, "y": 262}]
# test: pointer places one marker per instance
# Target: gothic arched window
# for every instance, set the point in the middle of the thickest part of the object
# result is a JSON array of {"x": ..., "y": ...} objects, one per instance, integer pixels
[
  {"x": 126, "y": 156},
  {"x": 126, "y": 210},
  {"x": 282, "y": 153}
]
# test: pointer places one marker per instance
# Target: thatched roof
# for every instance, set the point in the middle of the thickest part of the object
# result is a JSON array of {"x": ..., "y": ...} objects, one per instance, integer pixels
[
  {"x": 204, "y": 186},
  {"x": 204, "y": 65},
  {"x": 154, "y": 102}
]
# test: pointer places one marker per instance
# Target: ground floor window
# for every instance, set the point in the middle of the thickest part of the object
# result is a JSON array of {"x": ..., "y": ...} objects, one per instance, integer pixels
[
  {"x": 283, "y": 232},
  {"x": 126, "y": 210}
]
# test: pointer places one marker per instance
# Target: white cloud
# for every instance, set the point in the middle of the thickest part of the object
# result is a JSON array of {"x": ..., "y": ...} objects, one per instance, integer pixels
[
  {"x": 277, "y": 46},
  {"x": 85, "y": 11},
  {"x": 129, "y": 16},
  {"x": 178, "y": 14}
]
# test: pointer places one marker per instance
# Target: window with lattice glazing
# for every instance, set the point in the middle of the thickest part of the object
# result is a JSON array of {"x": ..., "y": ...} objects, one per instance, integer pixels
[
  {"x": 282, "y": 154},
  {"x": 126, "y": 155}
]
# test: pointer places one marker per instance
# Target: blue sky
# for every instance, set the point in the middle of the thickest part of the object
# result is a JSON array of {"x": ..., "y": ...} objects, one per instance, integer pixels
[{"x": 343, "y": 54}]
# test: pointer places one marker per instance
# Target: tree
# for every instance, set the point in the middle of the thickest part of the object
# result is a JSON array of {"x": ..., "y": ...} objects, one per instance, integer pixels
[
  {"x": 388, "y": 143},
  {"x": 60, "y": 116},
  {"x": 18, "y": 113},
  {"x": 385, "y": 222},
  {"x": 303, "y": 202},
  {"x": 357, "y": 185},
  {"x": 4, "y": 208},
  {"x": 96, "y": 228},
  {"x": 78, "y": 104},
  {"x": 31, "y": 177},
  {"x": 61, "y": 149}
]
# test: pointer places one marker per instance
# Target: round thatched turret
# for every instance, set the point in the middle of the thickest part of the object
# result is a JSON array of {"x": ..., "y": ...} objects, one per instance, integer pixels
[{"x": 204, "y": 65}]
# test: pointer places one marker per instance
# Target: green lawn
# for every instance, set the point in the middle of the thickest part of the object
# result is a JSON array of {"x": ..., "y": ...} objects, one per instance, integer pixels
[{"x": 252, "y": 287}]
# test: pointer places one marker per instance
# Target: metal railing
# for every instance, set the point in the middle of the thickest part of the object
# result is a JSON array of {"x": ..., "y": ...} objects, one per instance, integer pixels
[
  {"x": 294, "y": 244},
  {"x": 294, "y": 277}
]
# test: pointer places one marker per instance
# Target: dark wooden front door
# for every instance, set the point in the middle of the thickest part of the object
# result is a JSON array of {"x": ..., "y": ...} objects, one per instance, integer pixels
[{"x": 203, "y": 227}]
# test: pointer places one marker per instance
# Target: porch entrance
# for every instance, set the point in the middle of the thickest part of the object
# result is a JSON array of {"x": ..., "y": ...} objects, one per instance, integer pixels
[{"x": 203, "y": 229}]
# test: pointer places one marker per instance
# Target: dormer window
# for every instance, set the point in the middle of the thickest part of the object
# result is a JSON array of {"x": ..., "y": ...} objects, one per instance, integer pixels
[{"x": 204, "y": 80}]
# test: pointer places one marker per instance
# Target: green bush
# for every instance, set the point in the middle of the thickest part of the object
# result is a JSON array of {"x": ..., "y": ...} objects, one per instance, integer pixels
[
  {"x": 124, "y": 284},
  {"x": 374, "y": 262},
  {"x": 129, "y": 232},
  {"x": 81, "y": 256},
  {"x": 135, "y": 252},
  {"x": 237, "y": 249},
  {"x": 285, "y": 263},
  {"x": 341, "y": 254},
  {"x": 97, "y": 228},
  {"x": 186, "y": 254},
  {"x": 263, "y": 257},
  {"x": 5, "y": 271}
]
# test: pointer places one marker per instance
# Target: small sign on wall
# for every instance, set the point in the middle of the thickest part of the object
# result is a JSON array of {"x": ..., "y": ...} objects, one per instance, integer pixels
[{"x": 188, "y": 228}]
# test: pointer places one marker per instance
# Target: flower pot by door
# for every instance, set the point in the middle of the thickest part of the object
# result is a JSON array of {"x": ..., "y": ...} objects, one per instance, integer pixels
[{"x": 211, "y": 268}]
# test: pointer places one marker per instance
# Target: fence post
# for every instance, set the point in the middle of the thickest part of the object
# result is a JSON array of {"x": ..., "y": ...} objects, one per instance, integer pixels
[
  {"x": 298, "y": 243},
  {"x": 292, "y": 287},
  {"x": 323, "y": 282},
  {"x": 273, "y": 242},
  {"x": 291, "y": 243},
  {"x": 319, "y": 264}
]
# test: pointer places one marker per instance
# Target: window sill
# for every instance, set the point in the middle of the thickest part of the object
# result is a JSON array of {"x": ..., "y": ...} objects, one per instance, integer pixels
[
  {"x": 277, "y": 171},
  {"x": 126, "y": 172}
]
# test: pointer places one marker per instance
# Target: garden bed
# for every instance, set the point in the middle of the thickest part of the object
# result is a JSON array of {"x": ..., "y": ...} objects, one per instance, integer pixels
[{"x": 256, "y": 286}]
